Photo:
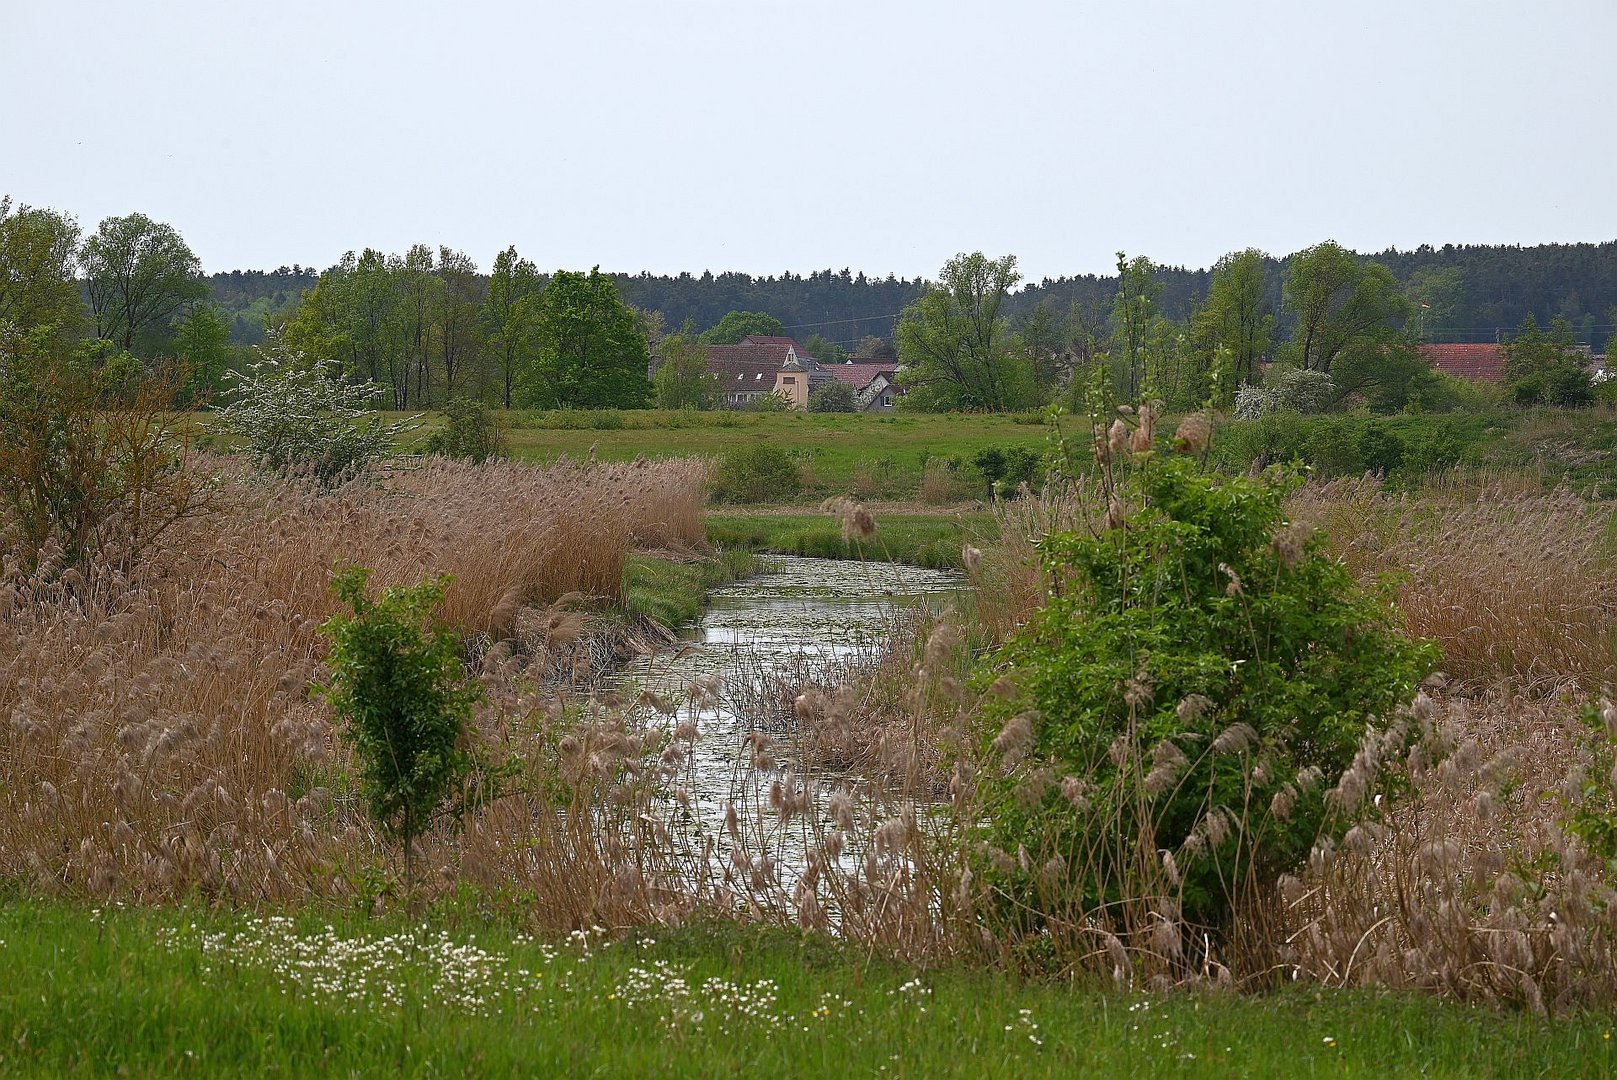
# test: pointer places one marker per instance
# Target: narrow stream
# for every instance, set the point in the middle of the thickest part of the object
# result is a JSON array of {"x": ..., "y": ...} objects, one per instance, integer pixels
[{"x": 802, "y": 611}]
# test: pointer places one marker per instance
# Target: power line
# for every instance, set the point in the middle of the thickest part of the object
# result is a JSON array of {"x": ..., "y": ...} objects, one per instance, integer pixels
[{"x": 842, "y": 322}]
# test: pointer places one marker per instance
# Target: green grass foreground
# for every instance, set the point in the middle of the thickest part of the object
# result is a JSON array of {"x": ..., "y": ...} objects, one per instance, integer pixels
[{"x": 163, "y": 992}]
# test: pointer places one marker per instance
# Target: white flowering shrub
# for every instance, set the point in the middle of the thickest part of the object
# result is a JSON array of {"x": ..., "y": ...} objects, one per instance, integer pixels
[
  {"x": 1296, "y": 389},
  {"x": 294, "y": 417},
  {"x": 1252, "y": 402}
]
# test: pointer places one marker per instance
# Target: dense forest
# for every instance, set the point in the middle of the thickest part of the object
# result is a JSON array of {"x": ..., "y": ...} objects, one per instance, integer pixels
[{"x": 1473, "y": 293}]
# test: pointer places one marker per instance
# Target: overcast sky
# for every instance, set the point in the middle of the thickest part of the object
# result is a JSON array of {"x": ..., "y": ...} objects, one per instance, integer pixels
[{"x": 670, "y": 135}]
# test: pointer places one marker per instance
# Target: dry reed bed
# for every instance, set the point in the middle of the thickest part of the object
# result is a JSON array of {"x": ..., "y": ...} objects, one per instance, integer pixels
[
  {"x": 160, "y": 740},
  {"x": 159, "y": 736},
  {"x": 1514, "y": 587},
  {"x": 1471, "y": 887}
]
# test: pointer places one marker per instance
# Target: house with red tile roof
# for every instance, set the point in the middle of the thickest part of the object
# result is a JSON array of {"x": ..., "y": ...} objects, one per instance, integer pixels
[
  {"x": 762, "y": 364},
  {"x": 1482, "y": 362}
]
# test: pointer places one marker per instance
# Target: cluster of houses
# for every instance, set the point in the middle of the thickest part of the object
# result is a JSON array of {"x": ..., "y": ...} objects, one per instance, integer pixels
[{"x": 762, "y": 365}]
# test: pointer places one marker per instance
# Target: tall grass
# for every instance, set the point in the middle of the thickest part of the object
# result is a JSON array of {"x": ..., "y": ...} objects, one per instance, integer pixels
[
  {"x": 160, "y": 739},
  {"x": 1515, "y": 587}
]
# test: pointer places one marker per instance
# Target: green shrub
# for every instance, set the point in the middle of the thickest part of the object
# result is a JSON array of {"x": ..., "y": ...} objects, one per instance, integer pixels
[
  {"x": 398, "y": 687},
  {"x": 1332, "y": 450},
  {"x": 836, "y": 396},
  {"x": 91, "y": 457},
  {"x": 1380, "y": 449},
  {"x": 1591, "y": 810},
  {"x": 471, "y": 430},
  {"x": 1432, "y": 448},
  {"x": 753, "y": 474},
  {"x": 1198, "y": 678}
]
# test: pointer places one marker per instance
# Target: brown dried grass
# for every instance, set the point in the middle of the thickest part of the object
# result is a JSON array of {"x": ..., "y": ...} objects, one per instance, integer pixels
[
  {"x": 1470, "y": 887},
  {"x": 1516, "y": 588},
  {"x": 159, "y": 736}
]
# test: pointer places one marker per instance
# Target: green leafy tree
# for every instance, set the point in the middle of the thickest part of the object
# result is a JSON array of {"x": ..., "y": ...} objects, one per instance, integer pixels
[
  {"x": 1547, "y": 367},
  {"x": 955, "y": 341},
  {"x": 871, "y": 347},
  {"x": 139, "y": 273},
  {"x": 1237, "y": 316},
  {"x": 37, "y": 252},
  {"x": 682, "y": 380},
  {"x": 1343, "y": 306},
  {"x": 1436, "y": 296},
  {"x": 202, "y": 345},
  {"x": 404, "y": 700},
  {"x": 456, "y": 334},
  {"x": 741, "y": 324},
  {"x": 1042, "y": 339},
  {"x": 592, "y": 347},
  {"x": 509, "y": 315},
  {"x": 1134, "y": 319},
  {"x": 419, "y": 294},
  {"x": 825, "y": 350}
]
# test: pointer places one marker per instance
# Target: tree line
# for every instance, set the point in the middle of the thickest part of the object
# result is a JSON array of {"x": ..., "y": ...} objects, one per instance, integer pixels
[
  {"x": 1331, "y": 328},
  {"x": 429, "y": 325}
]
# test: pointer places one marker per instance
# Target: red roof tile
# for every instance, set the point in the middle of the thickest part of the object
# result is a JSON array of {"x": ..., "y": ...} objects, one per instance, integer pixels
[
  {"x": 1485, "y": 362},
  {"x": 860, "y": 376}
]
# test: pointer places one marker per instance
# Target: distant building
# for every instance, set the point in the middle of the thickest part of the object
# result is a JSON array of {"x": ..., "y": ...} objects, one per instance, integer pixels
[
  {"x": 1485, "y": 363},
  {"x": 762, "y": 365}
]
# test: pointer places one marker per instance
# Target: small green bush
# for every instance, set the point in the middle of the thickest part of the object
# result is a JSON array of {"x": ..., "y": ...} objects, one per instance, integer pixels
[
  {"x": 471, "y": 430},
  {"x": 833, "y": 397},
  {"x": 1380, "y": 449},
  {"x": 1591, "y": 810},
  {"x": 398, "y": 687},
  {"x": 755, "y": 474},
  {"x": 1200, "y": 675}
]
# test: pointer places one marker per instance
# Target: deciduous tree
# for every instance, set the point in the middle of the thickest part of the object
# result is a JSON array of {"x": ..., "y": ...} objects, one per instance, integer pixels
[
  {"x": 1237, "y": 316},
  {"x": 955, "y": 341},
  {"x": 592, "y": 348},
  {"x": 739, "y": 324},
  {"x": 37, "y": 250},
  {"x": 682, "y": 380},
  {"x": 1546, "y": 367},
  {"x": 202, "y": 344},
  {"x": 139, "y": 273},
  {"x": 509, "y": 315},
  {"x": 1341, "y": 304}
]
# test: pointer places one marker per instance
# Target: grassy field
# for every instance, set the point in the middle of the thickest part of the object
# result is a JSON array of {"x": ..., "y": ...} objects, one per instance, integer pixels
[
  {"x": 871, "y": 456},
  {"x": 883, "y": 457},
  {"x": 165, "y": 992}
]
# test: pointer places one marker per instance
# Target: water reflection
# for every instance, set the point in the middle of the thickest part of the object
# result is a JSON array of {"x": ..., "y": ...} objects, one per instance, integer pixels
[{"x": 818, "y": 610}]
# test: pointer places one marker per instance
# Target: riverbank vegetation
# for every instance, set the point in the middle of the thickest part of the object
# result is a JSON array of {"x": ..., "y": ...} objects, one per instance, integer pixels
[
  {"x": 1202, "y": 731},
  {"x": 163, "y": 747}
]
